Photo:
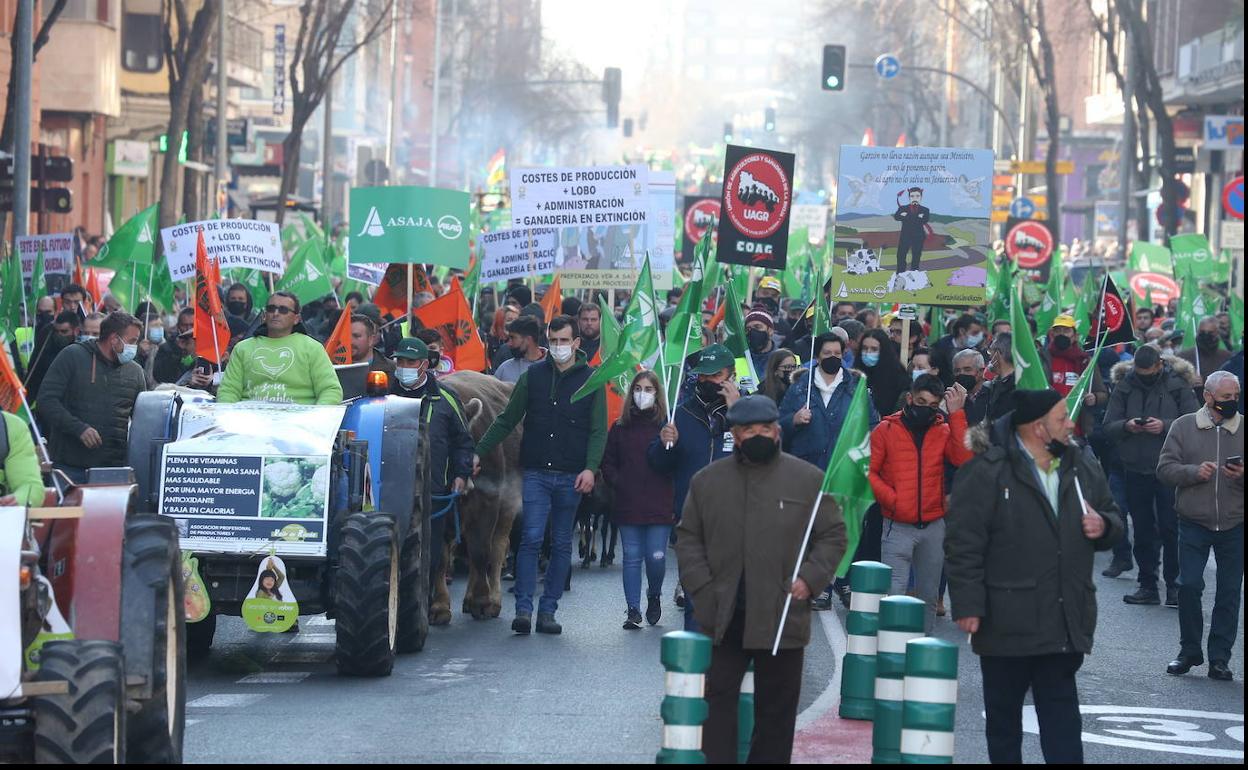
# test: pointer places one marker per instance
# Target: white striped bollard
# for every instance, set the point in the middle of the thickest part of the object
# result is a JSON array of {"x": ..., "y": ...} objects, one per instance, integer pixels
[
  {"x": 868, "y": 582},
  {"x": 901, "y": 619},
  {"x": 931, "y": 692},
  {"x": 686, "y": 656}
]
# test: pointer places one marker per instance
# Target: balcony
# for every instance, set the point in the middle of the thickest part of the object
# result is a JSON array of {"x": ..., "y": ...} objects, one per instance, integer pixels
[
  {"x": 244, "y": 55},
  {"x": 78, "y": 69},
  {"x": 1210, "y": 69}
]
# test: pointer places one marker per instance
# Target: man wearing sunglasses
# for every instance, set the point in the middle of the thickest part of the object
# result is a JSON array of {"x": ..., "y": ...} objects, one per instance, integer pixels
[{"x": 281, "y": 363}]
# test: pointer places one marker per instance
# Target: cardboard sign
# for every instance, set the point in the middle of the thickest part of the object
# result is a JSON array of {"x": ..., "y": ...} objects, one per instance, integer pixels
[
  {"x": 58, "y": 253},
  {"x": 912, "y": 225},
  {"x": 1030, "y": 244},
  {"x": 517, "y": 253},
  {"x": 365, "y": 272},
  {"x": 701, "y": 214},
  {"x": 812, "y": 217},
  {"x": 587, "y": 196},
  {"x": 234, "y": 243},
  {"x": 755, "y": 206},
  {"x": 409, "y": 224}
]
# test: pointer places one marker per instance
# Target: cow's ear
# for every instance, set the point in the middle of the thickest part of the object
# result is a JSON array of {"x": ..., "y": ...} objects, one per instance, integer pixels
[{"x": 473, "y": 409}]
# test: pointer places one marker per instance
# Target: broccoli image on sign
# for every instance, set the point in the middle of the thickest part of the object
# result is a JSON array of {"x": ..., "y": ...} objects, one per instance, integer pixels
[{"x": 294, "y": 487}]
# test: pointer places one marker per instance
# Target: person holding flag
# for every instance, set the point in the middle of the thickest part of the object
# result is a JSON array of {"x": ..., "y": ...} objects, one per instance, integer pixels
[
  {"x": 1067, "y": 363},
  {"x": 744, "y": 522},
  {"x": 20, "y": 480}
]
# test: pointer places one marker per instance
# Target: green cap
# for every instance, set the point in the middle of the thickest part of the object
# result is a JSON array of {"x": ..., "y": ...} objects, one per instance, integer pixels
[
  {"x": 713, "y": 359},
  {"x": 412, "y": 349}
]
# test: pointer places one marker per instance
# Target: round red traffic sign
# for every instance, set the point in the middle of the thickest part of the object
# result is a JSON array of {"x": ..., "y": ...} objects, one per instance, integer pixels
[
  {"x": 1030, "y": 244},
  {"x": 701, "y": 216},
  {"x": 757, "y": 195},
  {"x": 1161, "y": 288},
  {"x": 1233, "y": 198}
]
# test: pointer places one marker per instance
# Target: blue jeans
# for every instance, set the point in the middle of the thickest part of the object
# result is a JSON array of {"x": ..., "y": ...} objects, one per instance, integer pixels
[
  {"x": 1195, "y": 543},
  {"x": 1118, "y": 488},
  {"x": 644, "y": 543},
  {"x": 1156, "y": 528},
  {"x": 547, "y": 495}
]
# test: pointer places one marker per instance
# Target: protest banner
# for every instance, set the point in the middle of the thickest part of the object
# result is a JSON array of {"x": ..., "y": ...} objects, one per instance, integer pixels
[
  {"x": 58, "y": 253},
  {"x": 755, "y": 206},
  {"x": 366, "y": 272},
  {"x": 587, "y": 196},
  {"x": 423, "y": 225},
  {"x": 611, "y": 257},
  {"x": 233, "y": 243},
  {"x": 701, "y": 214},
  {"x": 813, "y": 217},
  {"x": 912, "y": 225},
  {"x": 517, "y": 253}
]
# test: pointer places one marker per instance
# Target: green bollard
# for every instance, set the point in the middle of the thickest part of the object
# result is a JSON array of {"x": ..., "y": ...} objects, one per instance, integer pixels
[
  {"x": 901, "y": 619},
  {"x": 686, "y": 656},
  {"x": 869, "y": 582},
  {"x": 745, "y": 716},
  {"x": 931, "y": 693}
]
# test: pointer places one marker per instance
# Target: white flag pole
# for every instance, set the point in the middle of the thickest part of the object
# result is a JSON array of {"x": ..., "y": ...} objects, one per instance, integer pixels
[{"x": 801, "y": 554}]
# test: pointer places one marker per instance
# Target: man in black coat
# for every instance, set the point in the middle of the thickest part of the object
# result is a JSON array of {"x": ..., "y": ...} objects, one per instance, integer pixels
[
  {"x": 914, "y": 228},
  {"x": 1026, "y": 517}
]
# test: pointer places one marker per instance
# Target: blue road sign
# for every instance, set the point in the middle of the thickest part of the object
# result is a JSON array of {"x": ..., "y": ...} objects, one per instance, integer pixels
[
  {"x": 1023, "y": 208},
  {"x": 887, "y": 66}
]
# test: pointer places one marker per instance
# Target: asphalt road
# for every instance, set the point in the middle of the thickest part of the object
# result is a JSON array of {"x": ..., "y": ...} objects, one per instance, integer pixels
[{"x": 478, "y": 693}]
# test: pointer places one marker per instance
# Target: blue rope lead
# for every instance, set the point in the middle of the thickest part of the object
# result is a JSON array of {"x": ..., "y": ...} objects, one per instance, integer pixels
[{"x": 452, "y": 504}]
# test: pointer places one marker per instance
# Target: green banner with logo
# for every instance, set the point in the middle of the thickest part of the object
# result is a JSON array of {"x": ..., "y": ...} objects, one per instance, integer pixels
[{"x": 409, "y": 224}]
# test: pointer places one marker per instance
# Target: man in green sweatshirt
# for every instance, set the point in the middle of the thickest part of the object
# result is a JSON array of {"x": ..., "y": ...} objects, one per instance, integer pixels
[{"x": 281, "y": 363}]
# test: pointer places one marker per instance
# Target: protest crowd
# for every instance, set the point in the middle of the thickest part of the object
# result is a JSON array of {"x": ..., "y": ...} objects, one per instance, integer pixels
[{"x": 678, "y": 416}]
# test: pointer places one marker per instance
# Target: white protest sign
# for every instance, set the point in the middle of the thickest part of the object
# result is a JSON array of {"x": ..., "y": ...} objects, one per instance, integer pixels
[
  {"x": 580, "y": 196},
  {"x": 517, "y": 252},
  {"x": 661, "y": 229},
  {"x": 814, "y": 218},
  {"x": 366, "y": 272},
  {"x": 58, "y": 253},
  {"x": 245, "y": 243}
]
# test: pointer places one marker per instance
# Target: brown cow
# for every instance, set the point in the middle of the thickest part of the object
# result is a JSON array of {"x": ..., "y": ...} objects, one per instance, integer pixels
[{"x": 487, "y": 512}]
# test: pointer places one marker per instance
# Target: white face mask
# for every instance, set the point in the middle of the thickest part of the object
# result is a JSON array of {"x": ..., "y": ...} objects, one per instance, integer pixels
[
  {"x": 128, "y": 352},
  {"x": 643, "y": 399},
  {"x": 408, "y": 376},
  {"x": 561, "y": 353},
  {"x": 156, "y": 334}
]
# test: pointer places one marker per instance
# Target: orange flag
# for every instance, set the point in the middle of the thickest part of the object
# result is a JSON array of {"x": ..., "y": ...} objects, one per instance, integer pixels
[
  {"x": 450, "y": 316},
  {"x": 552, "y": 301},
  {"x": 338, "y": 346},
  {"x": 391, "y": 295},
  {"x": 10, "y": 386},
  {"x": 212, "y": 333},
  {"x": 615, "y": 402}
]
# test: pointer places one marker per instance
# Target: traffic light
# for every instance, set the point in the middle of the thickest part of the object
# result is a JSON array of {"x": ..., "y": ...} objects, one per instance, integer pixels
[
  {"x": 162, "y": 145},
  {"x": 833, "y": 68},
  {"x": 727, "y": 132},
  {"x": 769, "y": 119},
  {"x": 612, "y": 78},
  {"x": 628, "y": 128}
]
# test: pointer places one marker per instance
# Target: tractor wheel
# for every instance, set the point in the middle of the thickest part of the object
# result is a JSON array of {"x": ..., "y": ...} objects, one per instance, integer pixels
[
  {"x": 154, "y": 626},
  {"x": 366, "y": 595},
  {"x": 87, "y": 724},
  {"x": 199, "y": 637},
  {"x": 417, "y": 557}
]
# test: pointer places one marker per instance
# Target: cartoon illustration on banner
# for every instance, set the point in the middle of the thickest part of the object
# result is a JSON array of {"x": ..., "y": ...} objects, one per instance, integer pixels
[{"x": 917, "y": 232}]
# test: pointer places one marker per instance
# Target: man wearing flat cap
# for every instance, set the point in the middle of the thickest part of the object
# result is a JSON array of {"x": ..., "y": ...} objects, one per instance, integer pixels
[
  {"x": 1026, "y": 516},
  {"x": 738, "y": 541}
]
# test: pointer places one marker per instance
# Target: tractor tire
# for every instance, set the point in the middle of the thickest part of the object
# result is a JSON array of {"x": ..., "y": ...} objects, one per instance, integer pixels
[
  {"x": 154, "y": 624},
  {"x": 366, "y": 595},
  {"x": 417, "y": 557},
  {"x": 87, "y": 724},
  {"x": 199, "y": 637}
]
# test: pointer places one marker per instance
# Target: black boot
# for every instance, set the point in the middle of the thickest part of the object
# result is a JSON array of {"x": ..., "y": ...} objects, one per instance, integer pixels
[
  {"x": 1172, "y": 596},
  {"x": 1182, "y": 664},
  {"x": 1143, "y": 596},
  {"x": 1218, "y": 669},
  {"x": 632, "y": 620},
  {"x": 654, "y": 609},
  {"x": 546, "y": 624},
  {"x": 522, "y": 624},
  {"x": 1117, "y": 567}
]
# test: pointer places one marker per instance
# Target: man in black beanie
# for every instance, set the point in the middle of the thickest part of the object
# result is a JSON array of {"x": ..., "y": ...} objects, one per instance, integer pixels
[{"x": 1026, "y": 516}]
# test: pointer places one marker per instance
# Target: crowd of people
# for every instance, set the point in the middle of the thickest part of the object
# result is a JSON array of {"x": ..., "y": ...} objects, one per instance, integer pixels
[{"x": 725, "y": 471}]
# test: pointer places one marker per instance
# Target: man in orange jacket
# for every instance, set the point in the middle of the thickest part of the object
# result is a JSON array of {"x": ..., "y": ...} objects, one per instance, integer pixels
[{"x": 909, "y": 450}]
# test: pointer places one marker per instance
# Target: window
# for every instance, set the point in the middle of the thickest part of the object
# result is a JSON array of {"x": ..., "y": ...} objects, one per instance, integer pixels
[{"x": 142, "y": 36}]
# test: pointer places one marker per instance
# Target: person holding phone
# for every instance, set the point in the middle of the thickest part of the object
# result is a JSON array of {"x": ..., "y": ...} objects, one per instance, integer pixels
[{"x": 1203, "y": 457}]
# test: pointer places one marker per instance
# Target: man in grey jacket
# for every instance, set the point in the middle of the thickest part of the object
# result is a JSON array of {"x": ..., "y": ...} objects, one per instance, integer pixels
[{"x": 1204, "y": 457}]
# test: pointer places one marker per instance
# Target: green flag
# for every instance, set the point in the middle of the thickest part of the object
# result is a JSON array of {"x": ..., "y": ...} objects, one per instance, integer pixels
[
  {"x": 1237, "y": 321},
  {"x": 610, "y": 333},
  {"x": 678, "y": 278},
  {"x": 736, "y": 340},
  {"x": 126, "y": 286},
  {"x": 306, "y": 276},
  {"x": 739, "y": 279},
  {"x": 1074, "y": 399},
  {"x": 38, "y": 282},
  {"x": 11, "y": 293},
  {"x": 1193, "y": 256},
  {"x": 684, "y": 330},
  {"x": 1089, "y": 296},
  {"x": 1029, "y": 371},
  {"x": 639, "y": 337},
  {"x": 1050, "y": 301},
  {"x": 135, "y": 241},
  {"x": 1000, "y": 292},
  {"x": 1150, "y": 258},
  {"x": 846, "y": 477},
  {"x": 257, "y": 286},
  {"x": 472, "y": 280}
]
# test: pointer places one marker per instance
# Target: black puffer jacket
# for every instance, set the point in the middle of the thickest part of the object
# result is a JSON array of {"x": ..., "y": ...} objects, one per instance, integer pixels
[
  {"x": 450, "y": 443},
  {"x": 1167, "y": 399},
  {"x": 1022, "y": 569},
  {"x": 84, "y": 389}
]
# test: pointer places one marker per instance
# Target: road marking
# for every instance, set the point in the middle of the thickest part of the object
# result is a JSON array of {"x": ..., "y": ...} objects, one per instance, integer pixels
[
  {"x": 275, "y": 677},
  {"x": 220, "y": 700},
  {"x": 191, "y": 722},
  {"x": 1154, "y": 726},
  {"x": 830, "y": 698},
  {"x": 318, "y": 620},
  {"x": 302, "y": 656}
]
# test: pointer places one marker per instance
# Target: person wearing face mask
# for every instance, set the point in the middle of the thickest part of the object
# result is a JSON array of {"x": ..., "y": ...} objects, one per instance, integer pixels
[
  {"x": 968, "y": 371},
  {"x": 173, "y": 359},
  {"x": 238, "y": 303},
  {"x": 967, "y": 333},
  {"x": 62, "y": 332},
  {"x": 560, "y": 453},
  {"x": 698, "y": 434},
  {"x": 742, "y": 529},
  {"x": 86, "y": 399},
  {"x": 1027, "y": 515},
  {"x": 1149, "y": 394},
  {"x": 886, "y": 377},
  {"x": 811, "y": 420},
  {"x": 758, "y": 334},
  {"x": 642, "y": 499},
  {"x": 1207, "y": 355},
  {"x": 909, "y": 450},
  {"x": 1065, "y": 361},
  {"x": 450, "y": 443},
  {"x": 523, "y": 336},
  {"x": 1203, "y": 457},
  {"x": 1001, "y": 388},
  {"x": 440, "y": 362},
  {"x": 778, "y": 375}
]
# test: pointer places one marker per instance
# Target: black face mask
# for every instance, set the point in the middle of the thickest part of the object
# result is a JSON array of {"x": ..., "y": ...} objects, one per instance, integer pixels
[
  {"x": 968, "y": 381},
  {"x": 44, "y": 318},
  {"x": 918, "y": 416},
  {"x": 435, "y": 358},
  {"x": 1061, "y": 342},
  {"x": 1207, "y": 340},
  {"x": 709, "y": 392},
  {"x": 759, "y": 449},
  {"x": 1226, "y": 408},
  {"x": 757, "y": 339},
  {"x": 236, "y": 307},
  {"x": 831, "y": 365},
  {"x": 1054, "y": 446}
]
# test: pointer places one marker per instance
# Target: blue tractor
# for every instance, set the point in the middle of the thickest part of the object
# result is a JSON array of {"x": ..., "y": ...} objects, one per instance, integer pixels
[{"x": 359, "y": 550}]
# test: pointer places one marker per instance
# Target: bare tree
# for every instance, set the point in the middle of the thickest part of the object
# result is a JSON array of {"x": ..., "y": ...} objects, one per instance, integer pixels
[
  {"x": 1034, "y": 34},
  {"x": 186, "y": 61}
]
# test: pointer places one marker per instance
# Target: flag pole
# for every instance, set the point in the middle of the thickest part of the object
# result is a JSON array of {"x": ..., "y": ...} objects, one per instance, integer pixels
[
  {"x": 801, "y": 554},
  {"x": 43, "y": 450}
]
